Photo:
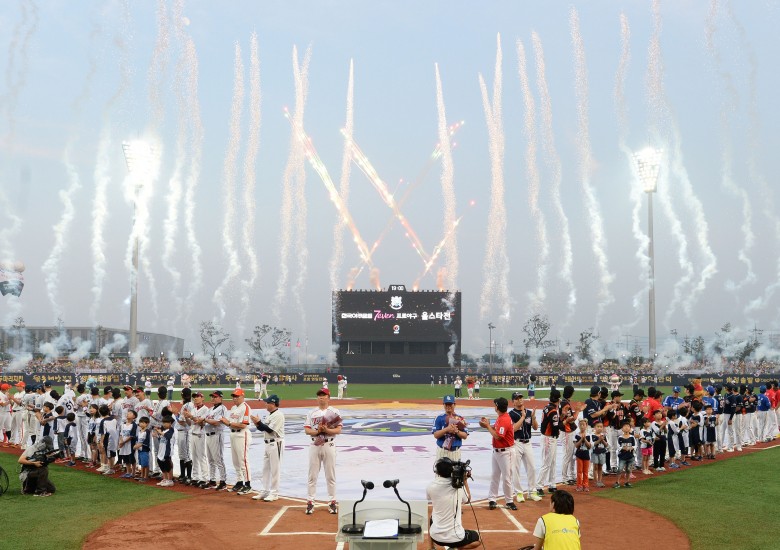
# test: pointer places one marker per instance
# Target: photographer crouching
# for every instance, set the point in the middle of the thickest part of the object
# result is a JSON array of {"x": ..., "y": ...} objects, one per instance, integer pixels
[
  {"x": 35, "y": 468},
  {"x": 447, "y": 493}
]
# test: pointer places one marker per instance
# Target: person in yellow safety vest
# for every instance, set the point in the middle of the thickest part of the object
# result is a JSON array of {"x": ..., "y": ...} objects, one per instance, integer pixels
[{"x": 559, "y": 529}]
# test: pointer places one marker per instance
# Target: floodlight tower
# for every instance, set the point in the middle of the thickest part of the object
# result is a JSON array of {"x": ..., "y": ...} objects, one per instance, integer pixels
[
  {"x": 139, "y": 157},
  {"x": 648, "y": 165}
]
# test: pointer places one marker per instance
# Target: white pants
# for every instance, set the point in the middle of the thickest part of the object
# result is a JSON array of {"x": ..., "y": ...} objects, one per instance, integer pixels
[
  {"x": 154, "y": 445},
  {"x": 18, "y": 434},
  {"x": 215, "y": 456},
  {"x": 239, "y": 451},
  {"x": 444, "y": 453},
  {"x": 524, "y": 455},
  {"x": 762, "y": 432},
  {"x": 720, "y": 432},
  {"x": 612, "y": 441},
  {"x": 322, "y": 456},
  {"x": 5, "y": 423},
  {"x": 547, "y": 470},
  {"x": 501, "y": 470},
  {"x": 733, "y": 432},
  {"x": 272, "y": 462},
  {"x": 749, "y": 428},
  {"x": 569, "y": 465},
  {"x": 200, "y": 466},
  {"x": 31, "y": 427},
  {"x": 83, "y": 424},
  {"x": 183, "y": 443}
]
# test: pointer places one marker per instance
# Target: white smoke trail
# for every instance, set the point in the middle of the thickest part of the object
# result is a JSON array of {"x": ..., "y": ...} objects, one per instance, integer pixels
[
  {"x": 496, "y": 269},
  {"x": 447, "y": 189},
  {"x": 538, "y": 296},
  {"x": 191, "y": 182},
  {"x": 299, "y": 192},
  {"x": 598, "y": 238},
  {"x": 229, "y": 184},
  {"x": 293, "y": 173},
  {"x": 51, "y": 267},
  {"x": 729, "y": 104},
  {"x": 553, "y": 161},
  {"x": 250, "y": 160},
  {"x": 346, "y": 172},
  {"x": 16, "y": 73}
]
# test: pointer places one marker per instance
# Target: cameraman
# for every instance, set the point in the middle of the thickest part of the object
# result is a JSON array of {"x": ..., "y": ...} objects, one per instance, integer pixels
[
  {"x": 35, "y": 468},
  {"x": 446, "y": 528}
]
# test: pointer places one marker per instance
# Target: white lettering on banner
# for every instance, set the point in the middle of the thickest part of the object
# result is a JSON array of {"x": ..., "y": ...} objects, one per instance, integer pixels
[{"x": 356, "y": 316}]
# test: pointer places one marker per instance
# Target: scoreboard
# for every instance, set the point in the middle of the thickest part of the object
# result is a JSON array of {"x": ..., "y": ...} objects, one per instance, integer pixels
[{"x": 396, "y": 315}]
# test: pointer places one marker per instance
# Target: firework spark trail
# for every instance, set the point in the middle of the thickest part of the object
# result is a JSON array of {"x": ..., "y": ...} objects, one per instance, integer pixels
[
  {"x": 598, "y": 238},
  {"x": 319, "y": 167},
  {"x": 539, "y": 296},
  {"x": 635, "y": 194},
  {"x": 16, "y": 75},
  {"x": 496, "y": 269},
  {"x": 292, "y": 174},
  {"x": 346, "y": 172},
  {"x": 51, "y": 267},
  {"x": 11, "y": 225},
  {"x": 442, "y": 284},
  {"x": 553, "y": 161},
  {"x": 450, "y": 246},
  {"x": 191, "y": 182},
  {"x": 250, "y": 161},
  {"x": 229, "y": 184},
  {"x": 102, "y": 171},
  {"x": 728, "y": 107},
  {"x": 435, "y": 155}
]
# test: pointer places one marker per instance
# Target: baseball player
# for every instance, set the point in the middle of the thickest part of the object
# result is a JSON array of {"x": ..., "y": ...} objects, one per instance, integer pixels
[
  {"x": 240, "y": 440},
  {"x": 214, "y": 449},
  {"x": 272, "y": 429},
  {"x": 155, "y": 424},
  {"x": 503, "y": 442},
  {"x": 18, "y": 413},
  {"x": 263, "y": 386},
  {"x": 144, "y": 407},
  {"x": 450, "y": 431},
  {"x": 340, "y": 382},
  {"x": 568, "y": 427},
  {"x": 523, "y": 420},
  {"x": 616, "y": 415},
  {"x": 183, "y": 427},
  {"x": 82, "y": 420},
  {"x": 730, "y": 416},
  {"x": 257, "y": 388},
  {"x": 323, "y": 424},
  {"x": 148, "y": 387},
  {"x": 196, "y": 415},
  {"x": 551, "y": 427},
  {"x": 5, "y": 414},
  {"x": 129, "y": 403}
]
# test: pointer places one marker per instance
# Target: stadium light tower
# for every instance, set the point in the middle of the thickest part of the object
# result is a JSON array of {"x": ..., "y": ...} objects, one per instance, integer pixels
[
  {"x": 648, "y": 165},
  {"x": 139, "y": 157}
]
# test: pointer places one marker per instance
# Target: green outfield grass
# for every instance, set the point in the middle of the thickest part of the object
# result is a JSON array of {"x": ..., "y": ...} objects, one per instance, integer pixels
[
  {"x": 83, "y": 502},
  {"x": 726, "y": 504}
]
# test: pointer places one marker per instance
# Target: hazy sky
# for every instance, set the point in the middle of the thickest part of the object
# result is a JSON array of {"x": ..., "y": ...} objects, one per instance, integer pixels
[{"x": 706, "y": 95}]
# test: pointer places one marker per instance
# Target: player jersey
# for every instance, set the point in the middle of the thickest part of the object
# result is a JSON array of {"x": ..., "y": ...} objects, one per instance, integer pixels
[
  {"x": 599, "y": 444},
  {"x": 109, "y": 428},
  {"x": 551, "y": 420},
  {"x": 583, "y": 452},
  {"x": 626, "y": 446},
  {"x": 275, "y": 421},
  {"x": 156, "y": 416},
  {"x": 709, "y": 421},
  {"x": 730, "y": 404},
  {"x": 183, "y": 424},
  {"x": 70, "y": 431},
  {"x": 239, "y": 414},
  {"x": 129, "y": 403},
  {"x": 82, "y": 404},
  {"x": 672, "y": 402},
  {"x": 143, "y": 439},
  {"x": 636, "y": 412},
  {"x": 165, "y": 447},
  {"x": 591, "y": 406},
  {"x": 750, "y": 403},
  {"x": 503, "y": 427},
  {"x": 331, "y": 417},
  {"x": 128, "y": 431},
  {"x": 199, "y": 413},
  {"x": 46, "y": 428},
  {"x": 659, "y": 430},
  {"x": 524, "y": 432},
  {"x": 449, "y": 441},
  {"x": 216, "y": 412},
  {"x": 647, "y": 438},
  {"x": 617, "y": 415},
  {"x": 720, "y": 404},
  {"x": 142, "y": 408},
  {"x": 567, "y": 415},
  {"x": 763, "y": 403},
  {"x": 5, "y": 402}
]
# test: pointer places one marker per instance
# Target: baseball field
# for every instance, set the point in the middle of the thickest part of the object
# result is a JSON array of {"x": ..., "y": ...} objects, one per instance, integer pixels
[{"x": 724, "y": 503}]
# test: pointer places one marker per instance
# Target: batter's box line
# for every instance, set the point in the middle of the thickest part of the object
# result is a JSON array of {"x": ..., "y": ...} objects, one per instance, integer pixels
[{"x": 266, "y": 532}]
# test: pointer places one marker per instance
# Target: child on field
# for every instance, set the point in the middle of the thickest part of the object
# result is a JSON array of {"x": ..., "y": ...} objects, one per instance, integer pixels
[
  {"x": 646, "y": 441},
  {"x": 69, "y": 437},
  {"x": 598, "y": 455},
  {"x": 60, "y": 421},
  {"x": 582, "y": 445},
  {"x": 672, "y": 439},
  {"x": 626, "y": 444},
  {"x": 109, "y": 437},
  {"x": 92, "y": 435},
  {"x": 127, "y": 438},
  {"x": 659, "y": 429},
  {"x": 142, "y": 446},
  {"x": 165, "y": 450},
  {"x": 710, "y": 421},
  {"x": 694, "y": 433},
  {"x": 683, "y": 438}
]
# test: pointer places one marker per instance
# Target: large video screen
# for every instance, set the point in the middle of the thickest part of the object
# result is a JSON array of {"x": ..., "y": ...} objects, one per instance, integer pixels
[{"x": 396, "y": 315}]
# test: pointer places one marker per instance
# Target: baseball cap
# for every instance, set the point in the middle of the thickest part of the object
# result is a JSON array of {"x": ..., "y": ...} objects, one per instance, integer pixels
[
  {"x": 762, "y": 388},
  {"x": 448, "y": 399},
  {"x": 5, "y": 387},
  {"x": 640, "y": 392},
  {"x": 272, "y": 399},
  {"x": 517, "y": 395},
  {"x": 616, "y": 394},
  {"x": 238, "y": 393},
  {"x": 107, "y": 390},
  {"x": 323, "y": 391},
  {"x": 127, "y": 387},
  {"x": 555, "y": 395},
  {"x": 658, "y": 393},
  {"x": 197, "y": 394},
  {"x": 594, "y": 390},
  {"x": 139, "y": 389},
  {"x": 710, "y": 390},
  {"x": 216, "y": 393},
  {"x": 20, "y": 384},
  {"x": 46, "y": 384},
  {"x": 676, "y": 389}
]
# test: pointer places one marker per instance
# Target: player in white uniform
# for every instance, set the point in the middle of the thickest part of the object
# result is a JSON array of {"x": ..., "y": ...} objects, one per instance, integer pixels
[
  {"x": 183, "y": 426},
  {"x": 196, "y": 414},
  {"x": 5, "y": 414},
  {"x": 272, "y": 429},
  {"x": 18, "y": 412},
  {"x": 82, "y": 420},
  {"x": 323, "y": 424},
  {"x": 240, "y": 440},
  {"x": 263, "y": 386},
  {"x": 129, "y": 403},
  {"x": 214, "y": 427},
  {"x": 155, "y": 421},
  {"x": 257, "y": 388}
]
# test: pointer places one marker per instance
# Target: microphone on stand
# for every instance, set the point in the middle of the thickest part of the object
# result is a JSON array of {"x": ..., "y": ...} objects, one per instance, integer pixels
[
  {"x": 354, "y": 528},
  {"x": 410, "y": 528}
]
